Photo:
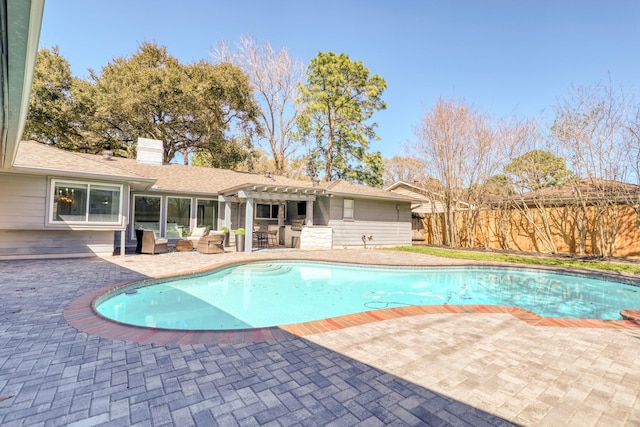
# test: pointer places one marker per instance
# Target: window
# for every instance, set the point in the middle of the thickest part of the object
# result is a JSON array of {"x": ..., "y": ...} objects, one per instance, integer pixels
[
  {"x": 84, "y": 203},
  {"x": 267, "y": 211},
  {"x": 206, "y": 213},
  {"x": 347, "y": 209},
  {"x": 302, "y": 208},
  {"x": 178, "y": 214},
  {"x": 146, "y": 213}
]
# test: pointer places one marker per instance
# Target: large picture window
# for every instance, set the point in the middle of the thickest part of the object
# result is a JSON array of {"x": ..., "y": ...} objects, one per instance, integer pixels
[
  {"x": 267, "y": 211},
  {"x": 206, "y": 213},
  {"x": 178, "y": 214},
  {"x": 146, "y": 213},
  {"x": 84, "y": 203}
]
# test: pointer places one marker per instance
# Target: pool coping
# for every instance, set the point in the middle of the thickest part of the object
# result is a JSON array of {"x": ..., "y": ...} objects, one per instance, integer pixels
[{"x": 81, "y": 314}]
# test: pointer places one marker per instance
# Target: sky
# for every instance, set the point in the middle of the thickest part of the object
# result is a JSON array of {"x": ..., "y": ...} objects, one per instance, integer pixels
[{"x": 504, "y": 57}]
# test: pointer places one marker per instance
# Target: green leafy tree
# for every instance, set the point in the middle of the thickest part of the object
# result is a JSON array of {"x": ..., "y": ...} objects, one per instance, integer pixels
[
  {"x": 535, "y": 170},
  {"x": 220, "y": 103},
  {"x": 54, "y": 115},
  {"x": 498, "y": 185},
  {"x": 190, "y": 108},
  {"x": 340, "y": 97}
]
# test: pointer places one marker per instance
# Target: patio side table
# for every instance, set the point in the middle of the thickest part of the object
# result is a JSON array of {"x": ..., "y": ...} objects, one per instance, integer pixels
[{"x": 184, "y": 245}]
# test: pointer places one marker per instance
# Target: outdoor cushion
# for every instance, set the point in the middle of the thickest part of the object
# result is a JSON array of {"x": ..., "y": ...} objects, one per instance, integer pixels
[{"x": 197, "y": 233}]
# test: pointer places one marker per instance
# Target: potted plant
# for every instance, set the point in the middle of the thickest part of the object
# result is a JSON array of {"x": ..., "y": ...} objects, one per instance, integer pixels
[
  {"x": 226, "y": 236},
  {"x": 240, "y": 233}
]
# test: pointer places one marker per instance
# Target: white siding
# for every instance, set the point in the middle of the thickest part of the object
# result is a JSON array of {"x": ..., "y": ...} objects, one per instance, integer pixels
[
  {"x": 388, "y": 222},
  {"x": 23, "y": 230},
  {"x": 22, "y": 202},
  {"x": 55, "y": 243},
  {"x": 383, "y": 234}
]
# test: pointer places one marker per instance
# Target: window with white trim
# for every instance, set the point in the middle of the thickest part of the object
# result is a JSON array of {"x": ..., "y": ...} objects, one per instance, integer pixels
[
  {"x": 206, "y": 213},
  {"x": 347, "y": 209},
  {"x": 178, "y": 217},
  {"x": 146, "y": 213},
  {"x": 76, "y": 202}
]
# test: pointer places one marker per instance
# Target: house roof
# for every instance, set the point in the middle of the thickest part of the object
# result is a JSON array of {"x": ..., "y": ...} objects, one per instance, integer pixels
[
  {"x": 35, "y": 157},
  {"x": 589, "y": 189},
  {"x": 422, "y": 193},
  {"x": 345, "y": 188}
]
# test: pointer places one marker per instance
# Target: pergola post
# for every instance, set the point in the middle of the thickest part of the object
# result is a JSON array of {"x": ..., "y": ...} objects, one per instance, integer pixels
[
  {"x": 248, "y": 225},
  {"x": 227, "y": 214},
  {"x": 309, "y": 218}
]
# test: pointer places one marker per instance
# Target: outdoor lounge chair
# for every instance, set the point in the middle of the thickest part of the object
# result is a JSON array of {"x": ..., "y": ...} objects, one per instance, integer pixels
[
  {"x": 153, "y": 245},
  {"x": 211, "y": 244}
]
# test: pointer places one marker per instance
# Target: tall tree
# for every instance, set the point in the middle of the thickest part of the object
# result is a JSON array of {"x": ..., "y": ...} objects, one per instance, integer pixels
[
  {"x": 54, "y": 116},
  {"x": 222, "y": 112},
  {"x": 460, "y": 147},
  {"x": 191, "y": 108},
  {"x": 275, "y": 77},
  {"x": 407, "y": 169},
  {"x": 528, "y": 175},
  {"x": 592, "y": 128},
  {"x": 340, "y": 97}
]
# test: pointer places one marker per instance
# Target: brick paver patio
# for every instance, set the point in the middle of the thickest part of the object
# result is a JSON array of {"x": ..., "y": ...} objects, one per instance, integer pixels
[{"x": 423, "y": 369}]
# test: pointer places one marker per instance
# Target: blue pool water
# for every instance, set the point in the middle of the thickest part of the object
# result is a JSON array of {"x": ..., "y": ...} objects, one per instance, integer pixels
[{"x": 262, "y": 294}]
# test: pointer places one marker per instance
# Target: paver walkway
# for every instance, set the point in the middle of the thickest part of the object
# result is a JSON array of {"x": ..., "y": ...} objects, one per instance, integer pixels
[{"x": 435, "y": 369}]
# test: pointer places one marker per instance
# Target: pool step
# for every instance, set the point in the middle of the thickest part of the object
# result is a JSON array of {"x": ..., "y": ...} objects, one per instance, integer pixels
[{"x": 265, "y": 269}]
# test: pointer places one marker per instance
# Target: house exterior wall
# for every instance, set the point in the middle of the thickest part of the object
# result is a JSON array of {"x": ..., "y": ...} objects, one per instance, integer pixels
[
  {"x": 321, "y": 211},
  {"x": 388, "y": 222},
  {"x": 22, "y": 244},
  {"x": 23, "y": 202},
  {"x": 23, "y": 224}
]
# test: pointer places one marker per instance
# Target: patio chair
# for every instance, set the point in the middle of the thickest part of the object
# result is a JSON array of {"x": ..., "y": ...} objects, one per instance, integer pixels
[
  {"x": 272, "y": 236},
  {"x": 211, "y": 244},
  {"x": 260, "y": 237},
  {"x": 153, "y": 245}
]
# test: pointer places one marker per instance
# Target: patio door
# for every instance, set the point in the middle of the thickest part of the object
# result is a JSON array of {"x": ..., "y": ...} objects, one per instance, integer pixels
[
  {"x": 146, "y": 213},
  {"x": 178, "y": 216},
  {"x": 206, "y": 213}
]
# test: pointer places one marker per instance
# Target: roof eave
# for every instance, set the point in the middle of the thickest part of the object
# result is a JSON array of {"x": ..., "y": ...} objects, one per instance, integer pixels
[
  {"x": 146, "y": 182},
  {"x": 372, "y": 196},
  {"x": 20, "y": 24}
]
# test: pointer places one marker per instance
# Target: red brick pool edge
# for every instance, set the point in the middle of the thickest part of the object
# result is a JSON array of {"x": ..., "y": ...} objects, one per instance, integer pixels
[{"x": 80, "y": 315}]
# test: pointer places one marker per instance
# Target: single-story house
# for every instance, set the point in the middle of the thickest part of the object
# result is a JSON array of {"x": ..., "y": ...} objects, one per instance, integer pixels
[{"x": 61, "y": 203}]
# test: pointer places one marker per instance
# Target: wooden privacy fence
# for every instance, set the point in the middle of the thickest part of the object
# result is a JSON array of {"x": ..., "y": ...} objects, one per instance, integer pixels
[{"x": 611, "y": 232}]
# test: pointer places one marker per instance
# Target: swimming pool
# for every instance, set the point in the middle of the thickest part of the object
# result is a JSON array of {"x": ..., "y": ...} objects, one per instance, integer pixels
[{"x": 272, "y": 293}]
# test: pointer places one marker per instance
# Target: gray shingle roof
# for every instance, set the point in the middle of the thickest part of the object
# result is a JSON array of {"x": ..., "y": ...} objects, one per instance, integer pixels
[
  {"x": 33, "y": 156},
  {"x": 174, "y": 177}
]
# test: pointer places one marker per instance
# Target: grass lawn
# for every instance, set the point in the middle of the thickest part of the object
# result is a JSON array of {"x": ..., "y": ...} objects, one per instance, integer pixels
[{"x": 618, "y": 267}]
